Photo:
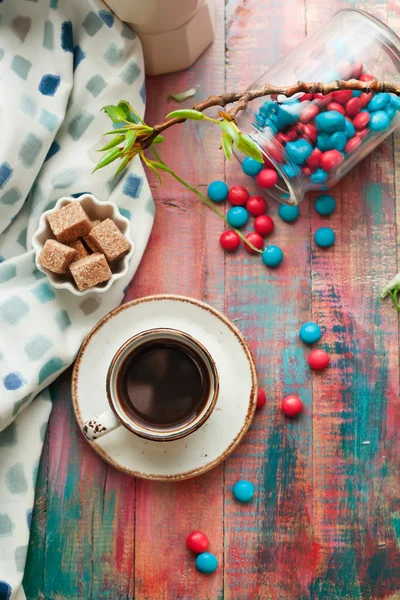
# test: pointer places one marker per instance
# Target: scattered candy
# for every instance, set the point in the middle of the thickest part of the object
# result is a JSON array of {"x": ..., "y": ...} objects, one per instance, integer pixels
[
  {"x": 324, "y": 237},
  {"x": 267, "y": 178},
  {"x": 251, "y": 167},
  {"x": 272, "y": 256},
  {"x": 256, "y": 205},
  {"x": 288, "y": 213},
  {"x": 264, "y": 225},
  {"x": 261, "y": 399},
  {"x": 237, "y": 216},
  {"x": 255, "y": 239},
  {"x": 318, "y": 359},
  {"x": 243, "y": 490},
  {"x": 325, "y": 204},
  {"x": 206, "y": 563},
  {"x": 229, "y": 240},
  {"x": 310, "y": 333},
  {"x": 292, "y": 406},
  {"x": 238, "y": 195},
  {"x": 217, "y": 191},
  {"x": 197, "y": 542}
]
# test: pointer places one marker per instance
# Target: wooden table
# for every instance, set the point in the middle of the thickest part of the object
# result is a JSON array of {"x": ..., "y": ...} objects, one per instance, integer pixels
[{"x": 325, "y": 522}]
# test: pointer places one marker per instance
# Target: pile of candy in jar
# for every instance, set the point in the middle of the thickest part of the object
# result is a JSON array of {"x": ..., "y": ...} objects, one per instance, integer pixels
[{"x": 310, "y": 135}]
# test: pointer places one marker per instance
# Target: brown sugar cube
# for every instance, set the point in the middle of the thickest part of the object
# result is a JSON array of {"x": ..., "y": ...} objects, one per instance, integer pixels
[
  {"x": 91, "y": 270},
  {"x": 69, "y": 223},
  {"x": 56, "y": 257},
  {"x": 88, "y": 243},
  {"x": 109, "y": 240},
  {"x": 80, "y": 249}
]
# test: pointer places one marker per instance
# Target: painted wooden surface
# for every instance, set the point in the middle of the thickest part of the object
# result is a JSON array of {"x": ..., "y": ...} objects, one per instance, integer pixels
[{"x": 325, "y": 523}]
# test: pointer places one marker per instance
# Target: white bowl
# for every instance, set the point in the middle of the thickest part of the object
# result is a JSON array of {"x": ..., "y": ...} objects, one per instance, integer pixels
[{"x": 95, "y": 210}]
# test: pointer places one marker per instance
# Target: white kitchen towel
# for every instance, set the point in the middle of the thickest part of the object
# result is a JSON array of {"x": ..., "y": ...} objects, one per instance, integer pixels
[{"x": 61, "y": 61}]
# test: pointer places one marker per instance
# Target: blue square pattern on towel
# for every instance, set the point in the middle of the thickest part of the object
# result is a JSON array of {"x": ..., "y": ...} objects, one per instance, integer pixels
[{"x": 133, "y": 185}]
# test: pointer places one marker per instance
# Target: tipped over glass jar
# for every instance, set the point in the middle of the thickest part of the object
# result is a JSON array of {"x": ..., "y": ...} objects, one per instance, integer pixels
[{"x": 312, "y": 140}]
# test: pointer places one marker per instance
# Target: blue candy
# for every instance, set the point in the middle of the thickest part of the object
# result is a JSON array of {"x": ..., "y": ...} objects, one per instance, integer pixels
[
  {"x": 237, "y": 216},
  {"x": 330, "y": 121},
  {"x": 260, "y": 120},
  {"x": 288, "y": 213},
  {"x": 349, "y": 129},
  {"x": 378, "y": 102},
  {"x": 272, "y": 256},
  {"x": 243, "y": 490},
  {"x": 395, "y": 100},
  {"x": 325, "y": 204},
  {"x": 206, "y": 563},
  {"x": 320, "y": 176},
  {"x": 390, "y": 110},
  {"x": 299, "y": 151},
  {"x": 339, "y": 140},
  {"x": 379, "y": 121},
  {"x": 310, "y": 333},
  {"x": 285, "y": 116},
  {"x": 357, "y": 93},
  {"x": 324, "y": 142},
  {"x": 217, "y": 191},
  {"x": 324, "y": 237},
  {"x": 289, "y": 171},
  {"x": 251, "y": 167}
]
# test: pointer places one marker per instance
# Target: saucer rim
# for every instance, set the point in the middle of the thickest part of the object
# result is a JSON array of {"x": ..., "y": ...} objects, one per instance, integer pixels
[{"x": 252, "y": 397}]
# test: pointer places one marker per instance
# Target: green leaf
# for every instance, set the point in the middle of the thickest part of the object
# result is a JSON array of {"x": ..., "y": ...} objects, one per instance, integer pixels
[
  {"x": 130, "y": 139},
  {"x": 120, "y": 130},
  {"x": 124, "y": 105},
  {"x": 159, "y": 139},
  {"x": 249, "y": 147},
  {"x": 226, "y": 143},
  {"x": 108, "y": 158},
  {"x": 115, "y": 142},
  {"x": 115, "y": 113},
  {"x": 152, "y": 166},
  {"x": 181, "y": 96},
  {"x": 231, "y": 130},
  {"x": 186, "y": 113},
  {"x": 122, "y": 166}
]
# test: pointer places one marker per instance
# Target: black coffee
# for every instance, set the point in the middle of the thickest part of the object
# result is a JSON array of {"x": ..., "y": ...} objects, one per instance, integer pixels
[{"x": 163, "y": 384}]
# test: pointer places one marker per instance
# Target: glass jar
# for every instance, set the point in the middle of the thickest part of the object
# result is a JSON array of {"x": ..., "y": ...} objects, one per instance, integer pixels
[{"x": 311, "y": 140}]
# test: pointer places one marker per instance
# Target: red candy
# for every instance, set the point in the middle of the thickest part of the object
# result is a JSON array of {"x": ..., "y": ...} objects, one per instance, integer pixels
[
  {"x": 314, "y": 160},
  {"x": 366, "y": 77},
  {"x": 310, "y": 133},
  {"x": 256, "y": 205},
  {"x": 292, "y": 406},
  {"x": 261, "y": 399},
  {"x": 299, "y": 127},
  {"x": 306, "y": 171},
  {"x": 357, "y": 70},
  {"x": 309, "y": 113},
  {"x": 318, "y": 359},
  {"x": 361, "y": 120},
  {"x": 264, "y": 225},
  {"x": 365, "y": 98},
  {"x": 238, "y": 195},
  {"x": 353, "y": 107},
  {"x": 229, "y": 240},
  {"x": 306, "y": 97},
  {"x": 362, "y": 133},
  {"x": 275, "y": 152},
  {"x": 266, "y": 178},
  {"x": 197, "y": 542},
  {"x": 336, "y": 106},
  {"x": 282, "y": 138},
  {"x": 255, "y": 239},
  {"x": 345, "y": 70},
  {"x": 342, "y": 96},
  {"x": 292, "y": 133},
  {"x": 323, "y": 99},
  {"x": 353, "y": 144},
  {"x": 331, "y": 159}
]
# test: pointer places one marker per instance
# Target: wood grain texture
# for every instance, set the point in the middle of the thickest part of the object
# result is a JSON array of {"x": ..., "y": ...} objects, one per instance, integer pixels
[{"x": 325, "y": 524}]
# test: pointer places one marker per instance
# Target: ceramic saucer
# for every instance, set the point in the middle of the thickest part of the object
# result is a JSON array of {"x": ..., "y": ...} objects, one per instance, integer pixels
[{"x": 221, "y": 433}]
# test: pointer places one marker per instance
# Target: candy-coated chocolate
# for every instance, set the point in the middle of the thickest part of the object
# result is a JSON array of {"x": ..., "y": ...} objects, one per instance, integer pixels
[
  {"x": 325, "y": 204},
  {"x": 237, "y": 216},
  {"x": 320, "y": 176},
  {"x": 206, "y": 563},
  {"x": 267, "y": 178},
  {"x": 357, "y": 93},
  {"x": 379, "y": 121},
  {"x": 309, "y": 113},
  {"x": 256, "y": 205},
  {"x": 290, "y": 171},
  {"x": 299, "y": 151},
  {"x": 395, "y": 101},
  {"x": 310, "y": 333},
  {"x": 331, "y": 159},
  {"x": 310, "y": 133},
  {"x": 324, "y": 142},
  {"x": 353, "y": 107},
  {"x": 306, "y": 170},
  {"x": 243, "y": 490},
  {"x": 255, "y": 239},
  {"x": 318, "y": 359},
  {"x": 336, "y": 106},
  {"x": 273, "y": 151},
  {"x": 366, "y": 77},
  {"x": 229, "y": 240},
  {"x": 378, "y": 102},
  {"x": 272, "y": 256},
  {"x": 314, "y": 160},
  {"x": 282, "y": 138},
  {"x": 330, "y": 121},
  {"x": 197, "y": 542},
  {"x": 342, "y": 96},
  {"x": 251, "y": 167},
  {"x": 292, "y": 134},
  {"x": 365, "y": 99},
  {"x": 261, "y": 399},
  {"x": 361, "y": 120},
  {"x": 217, "y": 191},
  {"x": 353, "y": 144},
  {"x": 324, "y": 237},
  {"x": 323, "y": 99},
  {"x": 339, "y": 140},
  {"x": 238, "y": 195},
  {"x": 390, "y": 110},
  {"x": 288, "y": 213},
  {"x": 362, "y": 133},
  {"x": 349, "y": 129},
  {"x": 264, "y": 225},
  {"x": 306, "y": 97},
  {"x": 357, "y": 70},
  {"x": 292, "y": 406}
]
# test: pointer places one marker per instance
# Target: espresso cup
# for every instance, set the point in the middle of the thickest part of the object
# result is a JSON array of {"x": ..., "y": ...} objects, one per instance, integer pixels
[{"x": 162, "y": 385}]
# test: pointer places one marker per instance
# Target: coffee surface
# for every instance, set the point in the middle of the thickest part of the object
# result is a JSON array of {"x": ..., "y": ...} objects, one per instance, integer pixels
[{"x": 163, "y": 384}]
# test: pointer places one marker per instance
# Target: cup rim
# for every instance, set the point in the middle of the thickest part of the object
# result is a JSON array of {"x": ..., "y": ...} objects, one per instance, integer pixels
[{"x": 183, "y": 430}]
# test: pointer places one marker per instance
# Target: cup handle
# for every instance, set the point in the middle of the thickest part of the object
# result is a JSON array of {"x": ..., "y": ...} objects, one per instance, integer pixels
[{"x": 99, "y": 426}]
